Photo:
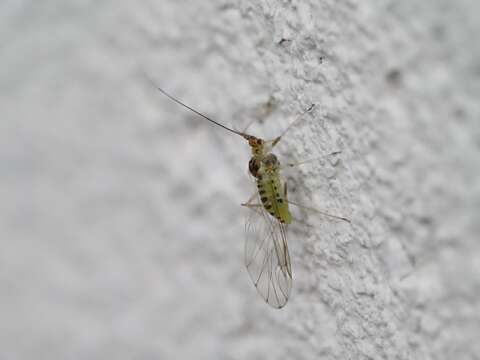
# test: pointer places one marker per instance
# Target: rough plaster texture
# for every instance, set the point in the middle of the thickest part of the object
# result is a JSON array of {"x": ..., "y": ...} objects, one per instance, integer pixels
[{"x": 120, "y": 226}]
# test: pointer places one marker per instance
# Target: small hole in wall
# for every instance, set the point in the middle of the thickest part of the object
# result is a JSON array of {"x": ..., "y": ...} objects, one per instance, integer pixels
[
  {"x": 394, "y": 77},
  {"x": 284, "y": 41}
]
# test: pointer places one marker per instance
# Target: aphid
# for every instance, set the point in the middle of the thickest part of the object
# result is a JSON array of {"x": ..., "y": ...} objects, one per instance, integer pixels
[{"x": 266, "y": 251}]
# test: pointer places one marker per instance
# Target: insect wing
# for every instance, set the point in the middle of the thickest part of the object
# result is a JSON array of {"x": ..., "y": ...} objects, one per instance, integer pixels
[{"x": 267, "y": 258}]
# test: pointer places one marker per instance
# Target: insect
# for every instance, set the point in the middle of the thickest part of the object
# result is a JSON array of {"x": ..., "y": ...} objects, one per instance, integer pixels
[{"x": 266, "y": 250}]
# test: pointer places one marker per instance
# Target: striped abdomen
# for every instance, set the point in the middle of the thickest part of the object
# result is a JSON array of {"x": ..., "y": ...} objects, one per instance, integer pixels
[{"x": 273, "y": 197}]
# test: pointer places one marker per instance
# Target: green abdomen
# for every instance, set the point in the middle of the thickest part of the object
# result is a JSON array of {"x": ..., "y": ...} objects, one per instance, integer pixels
[{"x": 273, "y": 198}]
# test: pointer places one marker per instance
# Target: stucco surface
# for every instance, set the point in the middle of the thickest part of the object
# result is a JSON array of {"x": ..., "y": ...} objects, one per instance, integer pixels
[{"x": 121, "y": 230}]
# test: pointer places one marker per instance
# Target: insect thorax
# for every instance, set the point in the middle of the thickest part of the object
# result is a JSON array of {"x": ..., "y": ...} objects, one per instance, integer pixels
[{"x": 263, "y": 164}]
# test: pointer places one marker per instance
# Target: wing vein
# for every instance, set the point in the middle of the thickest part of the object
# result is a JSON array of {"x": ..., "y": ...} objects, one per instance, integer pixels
[{"x": 267, "y": 258}]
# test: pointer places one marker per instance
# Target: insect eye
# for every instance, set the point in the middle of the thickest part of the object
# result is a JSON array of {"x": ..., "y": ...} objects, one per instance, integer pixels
[
  {"x": 253, "y": 166},
  {"x": 255, "y": 142}
]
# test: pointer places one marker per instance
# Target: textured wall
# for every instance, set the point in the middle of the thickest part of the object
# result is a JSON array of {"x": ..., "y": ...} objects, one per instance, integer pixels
[{"x": 120, "y": 226}]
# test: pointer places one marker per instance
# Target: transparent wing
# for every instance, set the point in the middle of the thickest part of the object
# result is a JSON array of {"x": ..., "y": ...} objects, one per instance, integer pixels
[{"x": 266, "y": 256}]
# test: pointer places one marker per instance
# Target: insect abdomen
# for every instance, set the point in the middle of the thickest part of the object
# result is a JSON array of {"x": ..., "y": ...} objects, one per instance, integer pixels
[{"x": 273, "y": 198}]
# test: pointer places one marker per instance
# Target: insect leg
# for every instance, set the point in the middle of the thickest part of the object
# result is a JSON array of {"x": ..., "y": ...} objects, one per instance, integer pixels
[
  {"x": 298, "y": 118},
  {"x": 256, "y": 208},
  {"x": 324, "y": 213},
  {"x": 250, "y": 199},
  {"x": 252, "y": 206},
  {"x": 309, "y": 160}
]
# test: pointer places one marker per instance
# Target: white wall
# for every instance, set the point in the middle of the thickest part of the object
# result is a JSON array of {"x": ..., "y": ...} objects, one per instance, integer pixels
[{"x": 120, "y": 226}]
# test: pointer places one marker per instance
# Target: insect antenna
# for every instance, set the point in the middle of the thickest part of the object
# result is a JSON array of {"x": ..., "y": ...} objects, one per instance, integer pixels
[{"x": 192, "y": 109}]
